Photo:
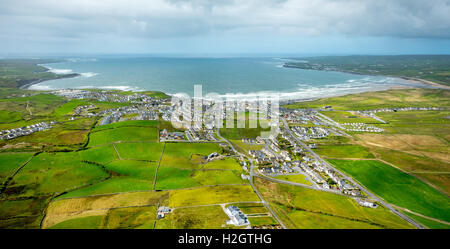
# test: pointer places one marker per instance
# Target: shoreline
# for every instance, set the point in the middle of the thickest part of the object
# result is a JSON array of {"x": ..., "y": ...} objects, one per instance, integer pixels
[
  {"x": 410, "y": 79},
  {"x": 283, "y": 100},
  {"x": 427, "y": 82},
  {"x": 34, "y": 82}
]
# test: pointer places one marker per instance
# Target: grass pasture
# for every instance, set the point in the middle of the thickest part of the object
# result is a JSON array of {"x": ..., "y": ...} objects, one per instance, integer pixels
[
  {"x": 397, "y": 187},
  {"x": 347, "y": 117},
  {"x": 10, "y": 117},
  {"x": 251, "y": 208},
  {"x": 10, "y": 162},
  {"x": 22, "y": 213},
  {"x": 211, "y": 195},
  {"x": 128, "y": 123},
  {"x": 130, "y": 218},
  {"x": 137, "y": 169},
  {"x": 209, "y": 217},
  {"x": 418, "y": 97},
  {"x": 185, "y": 155},
  {"x": 299, "y": 178},
  {"x": 102, "y": 155},
  {"x": 73, "y": 208},
  {"x": 262, "y": 221},
  {"x": 227, "y": 163},
  {"x": 175, "y": 178},
  {"x": 88, "y": 222},
  {"x": 324, "y": 210},
  {"x": 140, "y": 151},
  {"x": 50, "y": 173},
  {"x": 429, "y": 223},
  {"x": 113, "y": 185},
  {"x": 68, "y": 107},
  {"x": 123, "y": 134},
  {"x": 343, "y": 151}
]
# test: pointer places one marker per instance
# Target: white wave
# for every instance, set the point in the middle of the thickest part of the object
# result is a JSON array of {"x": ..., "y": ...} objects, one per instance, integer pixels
[
  {"x": 88, "y": 74},
  {"x": 60, "y": 71},
  {"x": 75, "y": 60},
  {"x": 84, "y": 87},
  {"x": 122, "y": 88},
  {"x": 40, "y": 87}
]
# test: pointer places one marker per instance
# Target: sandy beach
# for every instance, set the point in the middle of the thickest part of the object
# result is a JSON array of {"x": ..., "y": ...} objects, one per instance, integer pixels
[{"x": 416, "y": 80}]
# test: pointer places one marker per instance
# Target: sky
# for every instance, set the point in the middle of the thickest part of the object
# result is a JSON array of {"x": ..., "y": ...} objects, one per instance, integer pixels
[{"x": 225, "y": 27}]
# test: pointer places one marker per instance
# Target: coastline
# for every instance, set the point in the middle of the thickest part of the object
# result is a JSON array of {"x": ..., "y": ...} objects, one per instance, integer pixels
[
  {"x": 410, "y": 79},
  {"x": 282, "y": 101},
  {"x": 288, "y": 96},
  {"x": 427, "y": 82},
  {"x": 33, "y": 82},
  {"x": 399, "y": 87}
]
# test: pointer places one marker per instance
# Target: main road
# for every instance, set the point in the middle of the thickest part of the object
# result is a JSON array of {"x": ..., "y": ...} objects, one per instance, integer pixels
[
  {"x": 373, "y": 196},
  {"x": 251, "y": 178}
]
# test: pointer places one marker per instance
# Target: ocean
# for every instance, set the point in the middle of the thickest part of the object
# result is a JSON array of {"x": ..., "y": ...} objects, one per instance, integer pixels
[{"x": 238, "y": 77}]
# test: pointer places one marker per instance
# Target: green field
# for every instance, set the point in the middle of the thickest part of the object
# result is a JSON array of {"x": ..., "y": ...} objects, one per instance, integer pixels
[
  {"x": 347, "y": 117},
  {"x": 22, "y": 213},
  {"x": 187, "y": 155},
  {"x": 9, "y": 117},
  {"x": 174, "y": 178},
  {"x": 69, "y": 107},
  {"x": 38, "y": 105},
  {"x": 10, "y": 162},
  {"x": 300, "y": 178},
  {"x": 128, "y": 123},
  {"x": 102, "y": 154},
  {"x": 374, "y": 100},
  {"x": 301, "y": 207},
  {"x": 18, "y": 72},
  {"x": 429, "y": 223},
  {"x": 89, "y": 222},
  {"x": 343, "y": 151},
  {"x": 252, "y": 208},
  {"x": 209, "y": 217},
  {"x": 138, "y": 169},
  {"x": 140, "y": 151},
  {"x": 417, "y": 122},
  {"x": 227, "y": 163},
  {"x": 211, "y": 195},
  {"x": 262, "y": 221},
  {"x": 113, "y": 185},
  {"x": 50, "y": 173},
  {"x": 123, "y": 134},
  {"x": 397, "y": 187},
  {"x": 130, "y": 218}
]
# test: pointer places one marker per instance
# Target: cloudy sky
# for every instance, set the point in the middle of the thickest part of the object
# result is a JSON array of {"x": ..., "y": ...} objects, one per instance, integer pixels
[{"x": 225, "y": 26}]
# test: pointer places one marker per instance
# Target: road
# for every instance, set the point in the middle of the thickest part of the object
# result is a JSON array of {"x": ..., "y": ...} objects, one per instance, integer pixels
[
  {"x": 373, "y": 196},
  {"x": 298, "y": 184},
  {"x": 251, "y": 178}
]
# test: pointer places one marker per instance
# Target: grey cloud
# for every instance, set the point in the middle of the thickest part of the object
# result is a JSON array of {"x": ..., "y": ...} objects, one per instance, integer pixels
[{"x": 180, "y": 18}]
